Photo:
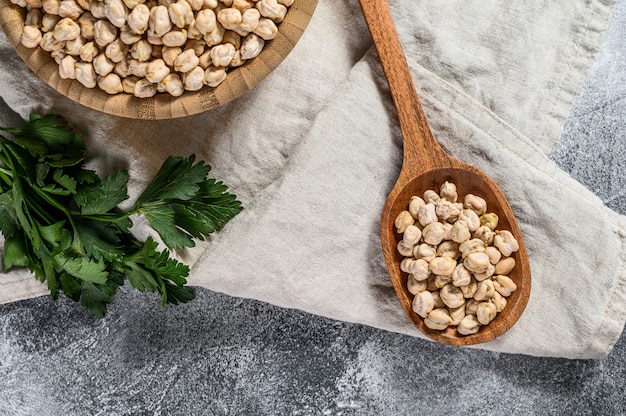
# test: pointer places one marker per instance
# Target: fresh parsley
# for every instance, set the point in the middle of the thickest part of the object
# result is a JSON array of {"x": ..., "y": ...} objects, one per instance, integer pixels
[{"x": 63, "y": 221}]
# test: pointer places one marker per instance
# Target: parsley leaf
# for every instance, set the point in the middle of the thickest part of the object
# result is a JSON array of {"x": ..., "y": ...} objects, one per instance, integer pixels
[
  {"x": 15, "y": 252},
  {"x": 50, "y": 139},
  {"x": 83, "y": 268},
  {"x": 103, "y": 196},
  {"x": 98, "y": 239},
  {"x": 94, "y": 299},
  {"x": 185, "y": 204},
  {"x": 162, "y": 218},
  {"x": 64, "y": 223},
  {"x": 178, "y": 178}
]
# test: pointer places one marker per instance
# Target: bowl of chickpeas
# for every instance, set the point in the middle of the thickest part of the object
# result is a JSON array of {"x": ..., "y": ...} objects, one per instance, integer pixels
[{"x": 154, "y": 59}]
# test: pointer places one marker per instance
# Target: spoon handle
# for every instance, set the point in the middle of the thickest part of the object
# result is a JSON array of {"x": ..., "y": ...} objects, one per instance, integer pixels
[{"x": 421, "y": 150}]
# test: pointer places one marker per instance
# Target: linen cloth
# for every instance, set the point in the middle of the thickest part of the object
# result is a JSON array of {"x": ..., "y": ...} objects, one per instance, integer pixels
[{"x": 314, "y": 149}]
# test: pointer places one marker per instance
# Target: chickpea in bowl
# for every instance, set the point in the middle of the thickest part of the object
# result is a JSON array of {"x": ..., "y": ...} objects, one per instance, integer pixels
[{"x": 156, "y": 58}]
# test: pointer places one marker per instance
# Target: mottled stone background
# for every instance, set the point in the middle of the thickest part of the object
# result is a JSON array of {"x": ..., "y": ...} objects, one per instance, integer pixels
[{"x": 225, "y": 356}]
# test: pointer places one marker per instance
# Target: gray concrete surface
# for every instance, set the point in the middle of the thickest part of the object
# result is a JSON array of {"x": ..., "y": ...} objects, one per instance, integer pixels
[{"x": 224, "y": 356}]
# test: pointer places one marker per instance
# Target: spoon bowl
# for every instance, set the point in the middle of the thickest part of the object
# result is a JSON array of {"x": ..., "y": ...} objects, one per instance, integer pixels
[
  {"x": 427, "y": 166},
  {"x": 468, "y": 181}
]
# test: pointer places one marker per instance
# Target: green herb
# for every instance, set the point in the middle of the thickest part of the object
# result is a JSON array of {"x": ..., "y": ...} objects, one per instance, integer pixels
[{"x": 63, "y": 222}]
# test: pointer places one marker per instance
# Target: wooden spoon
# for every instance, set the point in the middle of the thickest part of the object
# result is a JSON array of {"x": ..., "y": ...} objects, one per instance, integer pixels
[{"x": 426, "y": 166}]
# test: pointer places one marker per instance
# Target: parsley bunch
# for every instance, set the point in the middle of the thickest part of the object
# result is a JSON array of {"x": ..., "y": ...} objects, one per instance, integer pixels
[{"x": 63, "y": 222}]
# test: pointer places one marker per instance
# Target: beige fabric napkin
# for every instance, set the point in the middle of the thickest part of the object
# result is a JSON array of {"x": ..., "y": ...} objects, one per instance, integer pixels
[{"x": 314, "y": 149}]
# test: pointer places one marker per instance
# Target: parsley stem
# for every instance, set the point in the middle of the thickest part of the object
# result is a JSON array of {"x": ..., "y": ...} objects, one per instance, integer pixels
[
  {"x": 56, "y": 204},
  {"x": 35, "y": 208},
  {"x": 34, "y": 205},
  {"x": 112, "y": 217},
  {"x": 7, "y": 176}
]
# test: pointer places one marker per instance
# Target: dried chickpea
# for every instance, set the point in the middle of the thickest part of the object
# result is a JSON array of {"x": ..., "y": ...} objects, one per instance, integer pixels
[
  {"x": 58, "y": 55},
  {"x": 170, "y": 53},
  {"x": 405, "y": 248},
  {"x": 50, "y": 6},
  {"x": 122, "y": 69},
  {"x": 67, "y": 68},
  {"x": 139, "y": 19},
  {"x": 141, "y": 51},
  {"x": 266, "y": 29},
  {"x": 424, "y": 251},
  {"x": 485, "y": 312},
  {"x": 423, "y": 303},
  {"x": 116, "y": 51},
  {"x": 214, "y": 76},
  {"x": 504, "y": 285},
  {"x": 461, "y": 276},
  {"x": 453, "y": 253},
  {"x": 180, "y": 14},
  {"x": 121, "y": 45},
  {"x": 438, "y": 318},
  {"x": 420, "y": 269},
  {"x": 215, "y": 36},
  {"x": 186, "y": 61},
  {"x": 403, "y": 220},
  {"x": 174, "y": 38},
  {"x": 249, "y": 21},
  {"x": 86, "y": 74},
  {"x": 32, "y": 4},
  {"x": 494, "y": 256},
  {"x": 457, "y": 314},
  {"x": 452, "y": 296},
  {"x": 157, "y": 71},
  {"x": 447, "y": 191},
  {"x": 198, "y": 46},
  {"x": 34, "y": 18},
  {"x": 97, "y": 9},
  {"x": 468, "y": 325},
  {"x": 144, "y": 89},
  {"x": 230, "y": 18},
  {"x": 159, "y": 22},
  {"x": 111, "y": 84},
  {"x": 252, "y": 46},
  {"x": 222, "y": 55},
  {"x": 205, "y": 21},
  {"x": 505, "y": 266},
  {"x": 271, "y": 9},
  {"x": 72, "y": 47},
  {"x": 49, "y": 21},
  {"x": 242, "y": 5},
  {"x": 415, "y": 286},
  {"x": 415, "y": 204},
  {"x": 104, "y": 32},
  {"x": 66, "y": 29},
  {"x": 194, "y": 79},
  {"x": 49, "y": 43},
  {"x": 103, "y": 65},
  {"x": 88, "y": 52},
  {"x": 116, "y": 11},
  {"x": 137, "y": 68},
  {"x": 443, "y": 266},
  {"x": 505, "y": 242},
  {"x": 31, "y": 37}
]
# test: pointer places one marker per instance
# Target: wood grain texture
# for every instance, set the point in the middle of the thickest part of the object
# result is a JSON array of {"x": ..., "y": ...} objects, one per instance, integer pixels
[
  {"x": 162, "y": 106},
  {"x": 426, "y": 166}
]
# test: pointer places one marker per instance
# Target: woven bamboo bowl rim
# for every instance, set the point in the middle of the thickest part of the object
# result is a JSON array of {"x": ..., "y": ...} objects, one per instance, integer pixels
[{"x": 162, "y": 106}]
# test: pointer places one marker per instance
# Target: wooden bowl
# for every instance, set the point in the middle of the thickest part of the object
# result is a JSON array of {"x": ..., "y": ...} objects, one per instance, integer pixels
[
  {"x": 466, "y": 184},
  {"x": 162, "y": 106}
]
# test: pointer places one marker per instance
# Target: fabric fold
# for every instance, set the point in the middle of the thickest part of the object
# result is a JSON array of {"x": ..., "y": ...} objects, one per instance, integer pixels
[
  {"x": 313, "y": 156},
  {"x": 324, "y": 253},
  {"x": 525, "y": 62}
]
